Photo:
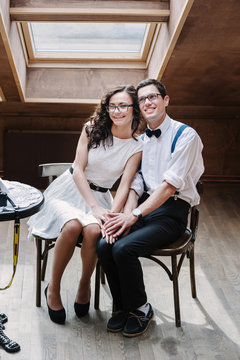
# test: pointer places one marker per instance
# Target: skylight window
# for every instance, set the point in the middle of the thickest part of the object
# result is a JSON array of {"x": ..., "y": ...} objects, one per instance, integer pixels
[
  {"x": 66, "y": 44},
  {"x": 88, "y": 37}
]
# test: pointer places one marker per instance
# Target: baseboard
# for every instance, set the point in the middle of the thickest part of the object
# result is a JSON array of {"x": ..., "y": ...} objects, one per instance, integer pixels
[{"x": 220, "y": 179}]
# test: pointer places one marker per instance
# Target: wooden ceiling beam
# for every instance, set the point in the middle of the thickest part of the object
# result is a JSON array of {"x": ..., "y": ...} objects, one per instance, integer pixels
[
  {"x": 167, "y": 37},
  {"x": 11, "y": 89},
  {"x": 104, "y": 11}
]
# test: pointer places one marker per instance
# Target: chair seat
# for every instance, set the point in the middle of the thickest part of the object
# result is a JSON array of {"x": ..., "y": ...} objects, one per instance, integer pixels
[
  {"x": 177, "y": 247},
  {"x": 52, "y": 170}
]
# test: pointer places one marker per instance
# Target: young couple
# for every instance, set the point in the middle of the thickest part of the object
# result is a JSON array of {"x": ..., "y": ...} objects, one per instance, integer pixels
[{"x": 143, "y": 214}]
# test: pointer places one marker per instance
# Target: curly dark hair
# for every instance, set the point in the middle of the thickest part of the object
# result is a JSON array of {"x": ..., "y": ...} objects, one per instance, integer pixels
[{"x": 99, "y": 129}]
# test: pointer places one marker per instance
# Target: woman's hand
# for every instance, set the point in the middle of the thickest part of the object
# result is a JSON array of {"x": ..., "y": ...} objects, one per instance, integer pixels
[
  {"x": 118, "y": 224},
  {"x": 100, "y": 214}
]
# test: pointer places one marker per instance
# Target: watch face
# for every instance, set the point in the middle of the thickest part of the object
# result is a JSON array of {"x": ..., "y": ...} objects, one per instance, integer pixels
[{"x": 137, "y": 212}]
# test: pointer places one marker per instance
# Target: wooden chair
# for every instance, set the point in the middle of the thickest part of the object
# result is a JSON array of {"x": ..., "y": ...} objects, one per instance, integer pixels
[
  {"x": 51, "y": 171},
  {"x": 183, "y": 247}
]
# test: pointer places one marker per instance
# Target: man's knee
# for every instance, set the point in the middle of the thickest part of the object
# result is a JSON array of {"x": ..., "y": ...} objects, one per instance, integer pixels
[
  {"x": 120, "y": 250},
  {"x": 102, "y": 248}
]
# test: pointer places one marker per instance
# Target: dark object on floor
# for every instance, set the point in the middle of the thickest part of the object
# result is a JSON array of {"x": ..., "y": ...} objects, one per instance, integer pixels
[
  {"x": 3, "y": 318},
  {"x": 7, "y": 344}
]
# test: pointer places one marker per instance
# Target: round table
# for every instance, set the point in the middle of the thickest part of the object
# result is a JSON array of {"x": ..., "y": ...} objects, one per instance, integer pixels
[
  {"x": 27, "y": 200},
  {"x": 19, "y": 201},
  {"x": 22, "y": 201}
]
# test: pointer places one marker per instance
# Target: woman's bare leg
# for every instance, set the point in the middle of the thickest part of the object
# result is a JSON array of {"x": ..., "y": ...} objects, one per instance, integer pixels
[
  {"x": 63, "y": 252},
  {"x": 91, "y": 235}
]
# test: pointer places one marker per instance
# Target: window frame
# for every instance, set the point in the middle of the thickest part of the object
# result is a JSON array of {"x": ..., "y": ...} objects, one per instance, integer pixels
[{"x": 83, "y": 59}]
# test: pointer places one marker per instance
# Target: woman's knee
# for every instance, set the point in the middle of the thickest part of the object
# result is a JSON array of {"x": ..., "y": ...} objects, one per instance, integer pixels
[
  {"x": 72, "y": 229},
  {"x": 92, "y": 231}
]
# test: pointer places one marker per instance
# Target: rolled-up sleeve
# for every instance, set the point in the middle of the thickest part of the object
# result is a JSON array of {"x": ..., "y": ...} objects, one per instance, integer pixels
[
  {"x": 186, "y": 161},
  {"x": 138, "y": 184}
]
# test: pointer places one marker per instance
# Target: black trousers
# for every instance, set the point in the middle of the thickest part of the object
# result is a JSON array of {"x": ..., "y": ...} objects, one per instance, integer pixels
[{"x": 120, "y": 261}]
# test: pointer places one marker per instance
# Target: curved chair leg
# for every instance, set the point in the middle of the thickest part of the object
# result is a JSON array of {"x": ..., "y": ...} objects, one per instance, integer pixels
[
  {"x": 103, "y": 281},
  {"x": 44, "y": 263},
  {"x": 176, "y": 291},
  {"x": 97, "y": 286},
  {"x": 38, "y": 272},
  {"x": 192, "y": 272}
]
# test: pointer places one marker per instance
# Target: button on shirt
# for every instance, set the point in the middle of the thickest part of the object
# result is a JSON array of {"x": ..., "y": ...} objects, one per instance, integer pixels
[{"x": 182, "y": 168}]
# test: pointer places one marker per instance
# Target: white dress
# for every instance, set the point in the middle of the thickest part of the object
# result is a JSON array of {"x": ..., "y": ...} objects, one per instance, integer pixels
[{"x": 64, "y": 202}]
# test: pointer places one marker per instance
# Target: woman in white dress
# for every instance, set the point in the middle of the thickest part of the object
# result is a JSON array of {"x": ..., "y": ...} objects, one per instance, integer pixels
[{"x": 79, "y": 200}]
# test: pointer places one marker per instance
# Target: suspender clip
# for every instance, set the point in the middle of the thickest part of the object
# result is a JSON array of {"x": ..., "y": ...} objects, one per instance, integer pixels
[{"x": 176, "y": 195}]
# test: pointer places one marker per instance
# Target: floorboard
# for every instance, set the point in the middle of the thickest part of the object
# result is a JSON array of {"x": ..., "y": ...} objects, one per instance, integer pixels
[{"x": 210, "y": 324}]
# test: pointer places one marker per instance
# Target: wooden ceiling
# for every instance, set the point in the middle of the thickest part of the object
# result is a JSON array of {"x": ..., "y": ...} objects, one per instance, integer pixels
[
  {"x": 204, "y": 68},
  {"x": 111, "y": 11},
  {"x": 196, "y": 54}
]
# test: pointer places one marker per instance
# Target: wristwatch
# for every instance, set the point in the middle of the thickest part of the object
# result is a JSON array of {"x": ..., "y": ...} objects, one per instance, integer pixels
[{"x": 137, "y": 212}]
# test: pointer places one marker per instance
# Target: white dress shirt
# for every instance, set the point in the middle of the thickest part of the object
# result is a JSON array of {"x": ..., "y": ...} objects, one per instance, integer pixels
[{"x": 182, "y": 168}]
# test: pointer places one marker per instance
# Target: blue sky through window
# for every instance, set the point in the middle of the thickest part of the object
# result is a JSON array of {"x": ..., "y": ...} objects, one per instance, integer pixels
[{"x": 88, "y": 37}]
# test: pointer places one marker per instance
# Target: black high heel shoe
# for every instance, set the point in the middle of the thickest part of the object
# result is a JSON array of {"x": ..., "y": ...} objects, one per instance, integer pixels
[
  {"x": 57, "y": 316},
  {"x": 81, "y": 309}
]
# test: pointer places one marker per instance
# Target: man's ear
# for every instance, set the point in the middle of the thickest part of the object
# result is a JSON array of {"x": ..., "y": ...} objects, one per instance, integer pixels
[{"x": 166, "y": 100}]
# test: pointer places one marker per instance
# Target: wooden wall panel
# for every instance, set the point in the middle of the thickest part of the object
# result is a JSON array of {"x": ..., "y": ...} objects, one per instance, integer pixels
[
  {"x": 34, "y": 123},
  {"x": 25, "y": 150},
  {"x": 78, "y": 83},
  {"x": 220, "y": 136},
  {"x": 221, "y": 140}
]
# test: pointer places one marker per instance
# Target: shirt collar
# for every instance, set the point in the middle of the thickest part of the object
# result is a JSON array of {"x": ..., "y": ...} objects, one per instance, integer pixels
[
  {"x": 165, "y": 124},
  {"x": 163, "y": 127}
]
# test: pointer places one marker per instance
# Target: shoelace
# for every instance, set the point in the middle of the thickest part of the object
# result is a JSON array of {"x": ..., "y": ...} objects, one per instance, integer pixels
[{"x": 138, "y": 317}]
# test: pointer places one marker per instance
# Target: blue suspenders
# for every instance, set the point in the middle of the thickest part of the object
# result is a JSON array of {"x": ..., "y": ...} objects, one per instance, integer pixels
[{"x": 178, "y": 134}]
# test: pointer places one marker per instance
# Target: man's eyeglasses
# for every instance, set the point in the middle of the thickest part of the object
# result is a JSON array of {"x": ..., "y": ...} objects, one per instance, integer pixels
[
  {"x": 150, "y": 97},
  {"x": 120, "y": 108}
]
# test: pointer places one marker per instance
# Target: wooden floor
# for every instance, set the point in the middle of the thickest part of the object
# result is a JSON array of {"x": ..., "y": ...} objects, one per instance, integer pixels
[{"x": 210, "y": 324}]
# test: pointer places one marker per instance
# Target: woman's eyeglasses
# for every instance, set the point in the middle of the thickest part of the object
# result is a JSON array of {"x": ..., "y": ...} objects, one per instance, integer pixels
[
  {"x": 150, "y": 97},
  {"x": 120, "y": 108}
]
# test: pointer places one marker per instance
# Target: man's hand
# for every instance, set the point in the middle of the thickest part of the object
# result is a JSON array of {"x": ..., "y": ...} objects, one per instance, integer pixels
[{"x": 118, "y": 224}]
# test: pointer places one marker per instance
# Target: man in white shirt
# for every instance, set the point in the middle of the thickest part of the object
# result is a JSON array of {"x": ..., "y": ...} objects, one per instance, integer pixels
[{"x": 156, "y": 210}]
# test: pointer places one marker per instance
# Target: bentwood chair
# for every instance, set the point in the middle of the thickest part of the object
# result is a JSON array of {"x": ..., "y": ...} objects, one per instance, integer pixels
[
  {"x": 52, "y": 170},
  {"x": 183, "y": 247}
]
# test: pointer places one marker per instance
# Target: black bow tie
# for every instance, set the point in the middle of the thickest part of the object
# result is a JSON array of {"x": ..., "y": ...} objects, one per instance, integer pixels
[{"x": 150, "y": 133}]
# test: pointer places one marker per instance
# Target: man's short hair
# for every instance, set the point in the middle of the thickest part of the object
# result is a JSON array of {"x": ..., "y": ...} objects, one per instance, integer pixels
[{"x": 161, "y": 88}]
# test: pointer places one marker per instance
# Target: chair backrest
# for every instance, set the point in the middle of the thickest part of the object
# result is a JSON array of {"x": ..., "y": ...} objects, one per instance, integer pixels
[
  {"x": 52, "y": 170},
  {"x": 194, "y": 214}
]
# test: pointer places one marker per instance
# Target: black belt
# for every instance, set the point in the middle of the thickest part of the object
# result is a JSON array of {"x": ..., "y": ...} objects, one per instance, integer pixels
[{"x": 92, "y": 186}]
